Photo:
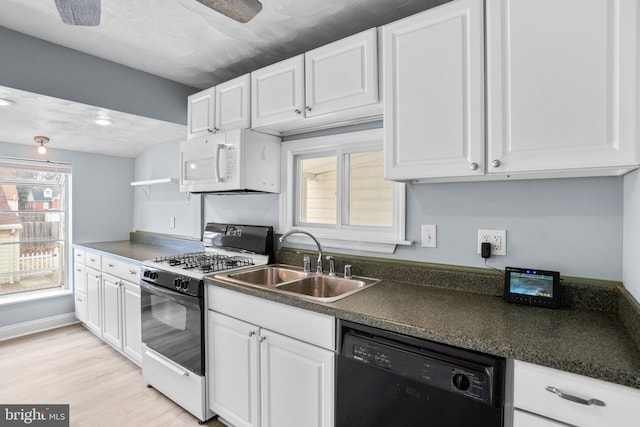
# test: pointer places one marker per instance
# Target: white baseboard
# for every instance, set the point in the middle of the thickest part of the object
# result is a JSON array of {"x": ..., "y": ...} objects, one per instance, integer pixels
[{"x": 27, "y": 328}]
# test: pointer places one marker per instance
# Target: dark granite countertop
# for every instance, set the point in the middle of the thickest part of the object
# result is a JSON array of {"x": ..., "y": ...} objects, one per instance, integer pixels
[
  {"x": 587, "y": 339},
  {"x": 143, "y": 246},
  {"x": 586, "y": 342}
]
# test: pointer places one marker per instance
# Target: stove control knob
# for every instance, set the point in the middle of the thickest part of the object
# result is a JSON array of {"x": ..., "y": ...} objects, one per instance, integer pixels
[
  {"x": 184, "y": 285},
  {"x": 153, "y": 276},
  {"x": 461, "y": 382},
  {"x": 176, "y": 283}
]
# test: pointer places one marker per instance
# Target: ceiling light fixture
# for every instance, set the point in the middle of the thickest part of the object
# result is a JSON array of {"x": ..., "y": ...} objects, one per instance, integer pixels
[
  {"x": 104, "y": 121},
  {"x": 41, "y": 140},
  {"x": 4, "y": 102}
]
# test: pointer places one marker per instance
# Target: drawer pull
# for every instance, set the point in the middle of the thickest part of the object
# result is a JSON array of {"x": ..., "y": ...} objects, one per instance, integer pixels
[
  {"x": 575, "y": 399},
  {"x": 111, "y": 265},
  {"x": 133, "y": 272}
]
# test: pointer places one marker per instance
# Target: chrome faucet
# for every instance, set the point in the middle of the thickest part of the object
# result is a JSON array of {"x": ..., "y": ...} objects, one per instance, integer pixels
[{"x": 288, "y": 233}]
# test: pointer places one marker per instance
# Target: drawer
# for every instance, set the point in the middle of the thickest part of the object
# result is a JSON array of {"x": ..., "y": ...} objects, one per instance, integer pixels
[
  {"x": 525, "y": 419},
  {"x": 93, "y": 260},
  {"x": 122, "y": 269},
  {"x": 78, "y": 256},
  {"x": 79, "y": 277},
  {"x": 531, "y": 394},
  {"x": 304, "y": 325}
]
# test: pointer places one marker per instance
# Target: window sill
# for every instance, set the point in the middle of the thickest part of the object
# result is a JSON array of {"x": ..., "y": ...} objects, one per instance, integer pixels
[
  {"x": 33, "y": 296},
  {"x": 348, "y": 243}
]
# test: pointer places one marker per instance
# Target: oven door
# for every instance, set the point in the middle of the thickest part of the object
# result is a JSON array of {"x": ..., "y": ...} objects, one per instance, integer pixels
[{"x": 173, "y": 324}]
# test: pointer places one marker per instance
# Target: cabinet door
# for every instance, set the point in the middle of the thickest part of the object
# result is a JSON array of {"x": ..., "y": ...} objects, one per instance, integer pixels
[
  {"x": 233, "y": 102},
  {"x": 81, "y": 306},
  {"x": 297, "y": 382},
  {"x": 94, "y": 301},
  {"x": 131, "y": 322},
  {"x": 79, "y": 278},
  {"x": 277, "y": 92},
  {"x": 434, "y": 93},
  {"x": 111, "y": 324},
  {"x": 342, "y": 75},
  {"x": 200, "y": 113},
  {"x": 562, "y": 84},
  {"x": 232, "y": 357}
]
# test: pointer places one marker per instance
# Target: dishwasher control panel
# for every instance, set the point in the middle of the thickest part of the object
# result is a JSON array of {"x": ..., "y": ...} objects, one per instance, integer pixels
[{"x": 442, "y": 371}]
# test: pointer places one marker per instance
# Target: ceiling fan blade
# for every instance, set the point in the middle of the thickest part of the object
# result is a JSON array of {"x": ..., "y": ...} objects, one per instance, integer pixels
[
  {"x": 79, "y": 12},
  {"x": 240, "y": 10}
]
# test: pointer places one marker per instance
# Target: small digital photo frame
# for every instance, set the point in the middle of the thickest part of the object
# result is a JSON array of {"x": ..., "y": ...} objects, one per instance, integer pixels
[{"x": 532, "y": 287}]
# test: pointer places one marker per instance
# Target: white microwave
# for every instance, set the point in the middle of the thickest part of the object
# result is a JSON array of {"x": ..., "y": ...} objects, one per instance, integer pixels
[{"x": 232, "y": 161}]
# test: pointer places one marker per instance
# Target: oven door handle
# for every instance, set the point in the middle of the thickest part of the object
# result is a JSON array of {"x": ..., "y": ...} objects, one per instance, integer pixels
[
  {"x": 187, "y": 300},
  {"x": 167, "y": 365}
]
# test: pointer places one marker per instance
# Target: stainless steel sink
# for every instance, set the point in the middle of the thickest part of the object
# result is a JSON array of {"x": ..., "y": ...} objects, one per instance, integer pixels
[
  {"x": 266, "y": 276},
  {"x": 326, "y": 288},
  {"x": 294, "y": 281}
]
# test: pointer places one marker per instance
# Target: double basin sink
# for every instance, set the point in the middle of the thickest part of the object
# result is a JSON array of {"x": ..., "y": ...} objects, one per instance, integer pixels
[{"x": 294, "y": 281}]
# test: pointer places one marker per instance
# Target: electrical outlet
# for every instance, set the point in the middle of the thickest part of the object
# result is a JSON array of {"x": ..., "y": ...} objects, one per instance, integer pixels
[
  {"x": 428, "y": 236},
  {"x": 497, "y": 238},
  {"x": 172, "y": 222}
]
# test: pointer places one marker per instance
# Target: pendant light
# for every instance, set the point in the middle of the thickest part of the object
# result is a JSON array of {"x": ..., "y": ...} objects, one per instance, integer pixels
[{"x": 41, "y": 140}]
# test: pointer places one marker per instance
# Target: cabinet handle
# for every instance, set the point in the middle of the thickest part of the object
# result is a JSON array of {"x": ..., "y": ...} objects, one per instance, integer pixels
[
  {"x": 575, "y": 399},
  {"x": 307, "y": 108},
  {"x": 78, "y": 299},
  {"x": 111, "y": 265},
  {"x": 496, "y": 163},
  {"x": 252, "y": 333},
  {"x": 133, "y": 272},
  {"x": 209, "y": 130},
  {"x": 92, "y": 259},
  {"x": 98, "y": 277},
  {"x": 262, "y": 338},
  {"x": 297, "y": 111},
  {"x": 473, "y": 166}
]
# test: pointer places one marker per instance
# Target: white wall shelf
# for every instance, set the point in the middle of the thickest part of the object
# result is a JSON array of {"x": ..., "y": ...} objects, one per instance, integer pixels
[{"x": 145, "y": 186}]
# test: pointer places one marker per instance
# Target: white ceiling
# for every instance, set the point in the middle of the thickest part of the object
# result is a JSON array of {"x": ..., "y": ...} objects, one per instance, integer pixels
[
  {"x": 72, "y": 126},
  {"x": 186, "y": 42}
]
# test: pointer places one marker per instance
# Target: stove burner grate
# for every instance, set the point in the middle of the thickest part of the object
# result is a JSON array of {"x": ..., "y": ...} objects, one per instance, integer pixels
[{"x": 205, "y": 262}]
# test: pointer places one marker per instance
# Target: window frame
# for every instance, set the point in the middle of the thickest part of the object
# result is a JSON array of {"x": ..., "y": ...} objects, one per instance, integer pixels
[
  {"x": 64, "y": 288},
  {"x": 341, "y": 236}
]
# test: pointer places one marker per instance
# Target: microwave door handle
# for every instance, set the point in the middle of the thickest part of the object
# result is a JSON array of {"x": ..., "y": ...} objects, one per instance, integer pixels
[{"x": 218, "y": 149}]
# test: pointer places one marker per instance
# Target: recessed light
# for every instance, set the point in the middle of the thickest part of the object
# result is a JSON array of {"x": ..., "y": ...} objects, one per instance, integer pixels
[
  {"x": 104, "y": 122},
  {"x": 4, "y": 102}
]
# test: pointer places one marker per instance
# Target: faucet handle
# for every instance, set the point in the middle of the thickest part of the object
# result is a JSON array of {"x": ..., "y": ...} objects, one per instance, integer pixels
[
  {"x": 306, "y": 262},
  {"x": 332, "y": 265},
  {"x": 347, "y": 271}
]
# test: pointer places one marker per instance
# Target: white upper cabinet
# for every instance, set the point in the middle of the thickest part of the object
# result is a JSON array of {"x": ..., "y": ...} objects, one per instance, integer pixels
[
  {"x": 326, "y": 86},
  {"x": 233, "y": 104},
  {"x": 200, "y": 113},
  {"x": 220, "y": 108},
  {"x": 277, "y": 92},
  {"x": 433, "y": 83},
  {"x": 562, "y": 80},
  {"x": 342, "y": 75}
]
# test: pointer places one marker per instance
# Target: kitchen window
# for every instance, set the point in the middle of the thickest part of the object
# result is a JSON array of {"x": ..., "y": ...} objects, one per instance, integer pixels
[
  {"x": 334, "y": 188},
  {"x": 33, "y": 226}
]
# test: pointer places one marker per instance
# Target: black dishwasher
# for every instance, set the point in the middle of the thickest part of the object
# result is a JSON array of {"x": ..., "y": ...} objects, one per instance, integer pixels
[{"x": 387, "y": 379}]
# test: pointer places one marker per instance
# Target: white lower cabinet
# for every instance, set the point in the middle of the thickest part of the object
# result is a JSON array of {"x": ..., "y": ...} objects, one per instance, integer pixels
[
  {"x": 94, "y": 300},
  {"x": 260, "y": 377},
  {"x": 110, "y": 305},
  {"x": 549, "y": 397}
]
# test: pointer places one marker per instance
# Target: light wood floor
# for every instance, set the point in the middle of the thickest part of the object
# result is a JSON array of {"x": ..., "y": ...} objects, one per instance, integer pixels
[{"x": 72, "y": 366}]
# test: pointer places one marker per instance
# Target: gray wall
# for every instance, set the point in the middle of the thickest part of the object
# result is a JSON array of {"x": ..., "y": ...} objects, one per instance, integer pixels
[
  {"x": 41, "y": 67},
  {"x": 152, "y": 213},
  {"x": 631, "y": 245},
  {"x": 102, "y": 201}
]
